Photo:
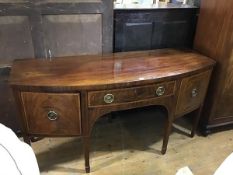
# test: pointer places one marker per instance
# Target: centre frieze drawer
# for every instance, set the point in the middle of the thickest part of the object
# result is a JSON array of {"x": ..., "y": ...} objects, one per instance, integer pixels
[
  {"x": 52, "y": 113},
  {"x": 118, "y": 96}
]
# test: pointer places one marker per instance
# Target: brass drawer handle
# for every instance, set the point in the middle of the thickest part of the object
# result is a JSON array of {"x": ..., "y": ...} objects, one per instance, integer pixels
[
  {"x": 108, "y": 98},
  {"x": 52, "y": 115},
  {"x": 194, "y": 92},
  {"x": 160, "y": 91}
]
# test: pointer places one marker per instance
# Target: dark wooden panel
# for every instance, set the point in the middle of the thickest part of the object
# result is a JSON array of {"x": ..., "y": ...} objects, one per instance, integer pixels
[
  {"x": 107, "y": 28},
  {"x": 137, "y": 36},
  {"x": 154, "y": 28},
  {"x": 174, "y": 34},
  {"x": 52, "y": 8},
  {"x": 67, "y": 35},
  {"x": 16, "y": 41},
  {"x": 171, "y": 34},
  {"x": 34, "y": 10},
  {"x": 64, "y": 107}
]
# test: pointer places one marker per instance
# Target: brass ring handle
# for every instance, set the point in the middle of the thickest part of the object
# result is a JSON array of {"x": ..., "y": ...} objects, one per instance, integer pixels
[
  {"x": 108, "y": 98},
  {"x": 194, "y": 92},
  {"x": 52, "y": 115},
  {"x": 160, "y": 91}
]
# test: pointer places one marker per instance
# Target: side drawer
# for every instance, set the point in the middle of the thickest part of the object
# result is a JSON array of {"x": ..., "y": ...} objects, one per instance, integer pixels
[
  {"x": 52, "y": 113},
  {"x": 192, "y": 92},
  {"x": 119, "y": 96}
]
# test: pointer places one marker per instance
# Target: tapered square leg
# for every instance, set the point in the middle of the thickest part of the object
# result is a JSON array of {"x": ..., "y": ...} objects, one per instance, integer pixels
[
  {"x": 167, "y": 131},
  {"x": 86, "y": 148},
  {"x": 196, "y": 121}
]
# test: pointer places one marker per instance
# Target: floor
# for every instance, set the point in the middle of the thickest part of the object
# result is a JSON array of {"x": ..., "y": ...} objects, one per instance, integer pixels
[{"x": 130, "y": 145}]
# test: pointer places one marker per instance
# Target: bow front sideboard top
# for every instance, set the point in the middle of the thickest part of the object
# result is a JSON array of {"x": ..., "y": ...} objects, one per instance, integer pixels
[{"x": 65, "y": 96}]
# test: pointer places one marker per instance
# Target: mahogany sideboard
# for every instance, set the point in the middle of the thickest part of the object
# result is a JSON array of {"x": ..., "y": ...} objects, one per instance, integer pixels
[{"x": 65, "y": 96}]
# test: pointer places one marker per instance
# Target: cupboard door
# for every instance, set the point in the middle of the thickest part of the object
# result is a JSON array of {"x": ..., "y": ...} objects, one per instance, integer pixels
[
  {"x": 192, "y": 92},
  {"x": 175, "y": 34},
  {"x": 137, "y": 36}
]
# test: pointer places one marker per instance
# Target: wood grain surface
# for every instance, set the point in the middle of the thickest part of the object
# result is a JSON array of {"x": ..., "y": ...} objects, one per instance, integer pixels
[
  {"x": 122, "y": 68},
  {"x": 214, "y": 38},
  {"x": 66, "y": 106}
]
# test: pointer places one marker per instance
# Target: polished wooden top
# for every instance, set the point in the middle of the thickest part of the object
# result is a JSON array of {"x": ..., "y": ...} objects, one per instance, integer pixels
[{"x": 127, "y": 68}]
